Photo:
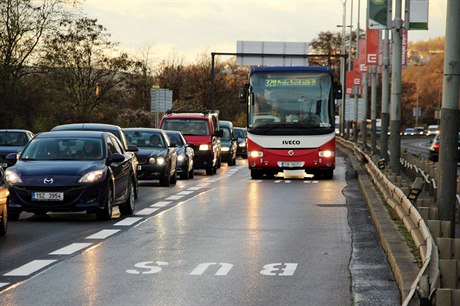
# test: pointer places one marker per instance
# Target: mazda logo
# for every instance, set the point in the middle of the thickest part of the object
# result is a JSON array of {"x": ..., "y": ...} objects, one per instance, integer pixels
[
  {"x": 290, "y": 152},
  {"x": 48, "y": 180}
]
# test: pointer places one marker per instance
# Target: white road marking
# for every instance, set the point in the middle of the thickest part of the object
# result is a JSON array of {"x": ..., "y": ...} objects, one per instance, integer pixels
[
  {"x": 185, "y": 192},
  {"x": 277, "y": 181},
  {"x": 174, "y": 197},
  {"x": 194, "y": 188},
  {"x": 202, "y": 185},
  {"x": 307, "y": 182},
  {"x": 71, "y": 248},
  {"x": 146, "y": 211},
  {"x": 128, "y": 221},
  {"x": 287, "y": 182},
  {"x": 3, "y": 284},
  {"x": 103, "y": 234},
  {"x": 223, "y": 270},
  {"x": 30, "y": 267},
  {"x": 161, "y": 204}
]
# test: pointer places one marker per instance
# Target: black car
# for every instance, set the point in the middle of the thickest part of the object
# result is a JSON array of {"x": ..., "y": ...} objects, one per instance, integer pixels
[
  {"x": 3, "y": 204},
  {"x": 72, "y": 171},
  {"x": 228, "y": 142},
  {"x": 241, "y": 135},
  {"x": 185, "y": 154},
  {"x": 12, "y": 141},
  {"x": 157, "y": 158},
  {"x": 433, "y": 151}
]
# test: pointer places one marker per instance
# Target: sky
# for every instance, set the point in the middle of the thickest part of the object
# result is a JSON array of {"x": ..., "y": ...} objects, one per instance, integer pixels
[{"x": 186, "y": 29}]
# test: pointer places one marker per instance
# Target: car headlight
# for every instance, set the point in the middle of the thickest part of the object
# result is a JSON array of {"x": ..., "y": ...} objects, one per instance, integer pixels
[
  {"x": 180, "y": 158},
  {"x": 204, "y": 147},
  {"x": 256, "y": 154},
  {"x": 12, "y": 177},
  {"x": 225, "y": 149},
  {"x": 152, "y": 160},
  {"x": 242, "y": 144},
  {"x": 92, "y": 177},
  {"x": 326, "y": 153},
  {"x": 160, "y": 160}
]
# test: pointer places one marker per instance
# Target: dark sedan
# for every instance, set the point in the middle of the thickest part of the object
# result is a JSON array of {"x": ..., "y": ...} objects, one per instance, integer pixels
[
  {"x": 3, "y": 204},
  {"x": 72, "y": 171},
  {"x": 12, "y": 141},
  {"x": 185, "y": 154},
  {"x": 433, "y": 151},
  {"x": 241, "y": 135},
  {"x": 157, "y": 158},
  {"x": 228, "y": 142}
]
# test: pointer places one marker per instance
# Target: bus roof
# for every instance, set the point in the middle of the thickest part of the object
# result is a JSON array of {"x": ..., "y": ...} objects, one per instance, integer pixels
[{"x": 291, "y": 68}]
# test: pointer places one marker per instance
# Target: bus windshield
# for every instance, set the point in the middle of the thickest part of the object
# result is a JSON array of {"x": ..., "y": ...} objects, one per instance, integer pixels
[{"x": 291, "y": 99}]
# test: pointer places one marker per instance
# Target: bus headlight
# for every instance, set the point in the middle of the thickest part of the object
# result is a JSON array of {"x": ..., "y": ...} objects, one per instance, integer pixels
[
  {"x": 326, "y": 153},
  {"x": 255, "y": 154},
  {"x": 204, "y": 147}
]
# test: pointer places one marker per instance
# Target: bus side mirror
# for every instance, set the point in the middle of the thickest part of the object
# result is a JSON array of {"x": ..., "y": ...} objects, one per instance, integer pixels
[
  {"x": 244, "y": 93},
  {"x": 338, "y": 91}
]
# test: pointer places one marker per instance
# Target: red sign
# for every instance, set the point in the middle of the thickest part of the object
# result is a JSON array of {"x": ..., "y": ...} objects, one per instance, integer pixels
[
  {"x": 353, "y": 79},
  {"x": 372, "y": 47}
]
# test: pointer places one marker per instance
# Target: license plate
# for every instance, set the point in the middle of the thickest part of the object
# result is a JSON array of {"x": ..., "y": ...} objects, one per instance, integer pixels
[
  {"x": 290, "y": 164},
  {"x": 3, "y": 165},
  {"x": 139, "y": 168},
  {"x": 47, "y": 196}
]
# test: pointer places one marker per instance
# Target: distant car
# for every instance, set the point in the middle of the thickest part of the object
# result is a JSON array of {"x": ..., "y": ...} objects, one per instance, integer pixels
[
  {"x": 433, "y": 151},
  {"x": 185, "y": 155},
  {"x": 228, "y": 142},
  {"x": 157, "y": 158},
  {"x": 419, "y": 130},
  {"x": 3, "y": 204},
  {"x": 409, "y": 132},
  {"x": 241, "y": 136},
  {"x": 432, "y": 130},
  {"x": 72, "y": 171},
  {"x": 12, "y": 141}
]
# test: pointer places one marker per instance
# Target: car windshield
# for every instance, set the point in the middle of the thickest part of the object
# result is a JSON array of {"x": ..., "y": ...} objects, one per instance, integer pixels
[
  {"x": 13, "y": 139},
  {"x": 64, "y": 149},
  {"x": 225, "y": 134},
  {"x": 239, "y": 133},
  {"x": 195, "y": 127},
  {"x": 147, "y": 139},
  {"x": 176, "y": 139}
]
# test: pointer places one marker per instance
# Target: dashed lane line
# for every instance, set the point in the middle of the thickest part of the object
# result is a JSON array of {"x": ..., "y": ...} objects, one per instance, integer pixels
[
  {"x": 3, "y": 285},
  {"x": 186, "y": 192},
  {"x": 128, "y": 221},
  {"x": 31, "y": 267},
  {"x": 174, "y": 197},
  {"x": 103, "y": 234},
  {"x": 71, "y": 248},
  {"x": 146, "y": 211},
  {"x": 161, "y": 204}
]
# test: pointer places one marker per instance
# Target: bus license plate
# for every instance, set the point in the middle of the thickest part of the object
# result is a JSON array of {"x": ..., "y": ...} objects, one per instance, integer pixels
[
  {"x": 290, "y": 164},
  {"x": 47, "y": 196}
]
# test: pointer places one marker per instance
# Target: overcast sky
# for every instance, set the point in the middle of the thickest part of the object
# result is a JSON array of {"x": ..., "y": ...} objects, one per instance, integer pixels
[{"x": 188, "y": 28}]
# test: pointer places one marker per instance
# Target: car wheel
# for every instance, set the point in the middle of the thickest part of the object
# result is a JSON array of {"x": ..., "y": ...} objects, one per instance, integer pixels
[
  {"x": 128, "y": 207},
  {"x": 106, "y": 212},
  {"x": 328, "y": 174},
  {"x": 4, "y": 223},
  {"x": 219, "y": 162},
  {"x": 173, "y": 178},
  {"x": 210, "y": 170},
  {"x": 165, "y": 180},
  {"x": 191, "y": 173},
  {"x": 13, "y": 216},
  {"x": 185, "y": 175},
  {"x": 256, "y": 174}
]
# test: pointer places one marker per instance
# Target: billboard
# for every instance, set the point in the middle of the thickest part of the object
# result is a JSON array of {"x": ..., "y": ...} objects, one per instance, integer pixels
[
  {"x": 160, "y": 99},
  {"x": 271, "y": 53},
  {"x": 378, "y": 12}
]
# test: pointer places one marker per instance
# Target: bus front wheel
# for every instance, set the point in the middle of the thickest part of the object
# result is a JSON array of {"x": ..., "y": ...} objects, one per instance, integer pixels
[{"x": 256, "y": 174}]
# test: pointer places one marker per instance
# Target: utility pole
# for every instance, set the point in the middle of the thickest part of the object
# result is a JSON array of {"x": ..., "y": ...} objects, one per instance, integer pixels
[
  {"x": 342, "y": 70},
  {"x": 365, "y": 103},
  {"x": 450, "y": 126},
  {"x": 395, "y": 124},
  {"x": 385, "y": 97},
  {"x": 373, "y": 108}
]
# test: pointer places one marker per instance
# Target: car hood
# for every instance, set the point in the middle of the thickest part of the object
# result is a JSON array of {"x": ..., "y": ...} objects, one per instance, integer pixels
[
  {"x": 197, "y": 140},
  {"x": 5, "y": 150},
  {"x": 147, "y": 152},
  {"x": 225, "y": 143},
  {"x": 55, "y": 167}
]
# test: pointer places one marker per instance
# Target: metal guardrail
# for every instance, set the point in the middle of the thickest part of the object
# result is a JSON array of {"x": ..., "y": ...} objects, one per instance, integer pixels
[{"x": 427, "y": 279}]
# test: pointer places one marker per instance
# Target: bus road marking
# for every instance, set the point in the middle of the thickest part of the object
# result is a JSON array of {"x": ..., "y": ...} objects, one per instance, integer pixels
[{"x": 223, "y": 270}]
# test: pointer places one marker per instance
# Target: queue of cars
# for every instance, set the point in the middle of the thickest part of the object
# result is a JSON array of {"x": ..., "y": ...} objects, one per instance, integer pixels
[{"x": 95, "y": 167}]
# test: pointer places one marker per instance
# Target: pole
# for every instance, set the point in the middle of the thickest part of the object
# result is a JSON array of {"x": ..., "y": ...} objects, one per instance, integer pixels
[
  {"x": 373, "y": 108},
  {"x": 342, "y": 70},
  {"x": 213, "y": 84},
  {"x": 385, "y": 98},
  {"x": 356, "y": 90},
  {"x": 450, "y": 126},
  {"x": 365, "y": 104},
  {"x": 350, "y": 60},
  {"x": 395, "y": 124}
]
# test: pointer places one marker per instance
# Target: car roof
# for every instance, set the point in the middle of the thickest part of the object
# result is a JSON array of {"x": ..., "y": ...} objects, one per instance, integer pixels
[
  {"x": 15, "y": 130},
  {"x": 85, "y": 126},
  {"x": 142, "y": 129},
  {"x": 72, "y": 133},
  {"x": 226, "y": 123}
]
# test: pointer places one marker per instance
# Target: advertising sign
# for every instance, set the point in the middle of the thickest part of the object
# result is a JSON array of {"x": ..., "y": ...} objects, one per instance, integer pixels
[
  {"x": 271, "y": 53},
  {"x": 418, "y": 15},
  {"x": 372, "y": 47},
  {"x": 378, "y": 14}
]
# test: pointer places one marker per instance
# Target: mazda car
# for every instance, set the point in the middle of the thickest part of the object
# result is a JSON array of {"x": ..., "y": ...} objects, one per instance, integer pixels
[
  {"x": 157, "y": 158},
  {"x": 72, "y": 171},
  {"x": 185, "y": 154}
]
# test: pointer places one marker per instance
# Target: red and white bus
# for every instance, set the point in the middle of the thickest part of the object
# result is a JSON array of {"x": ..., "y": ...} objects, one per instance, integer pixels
[{"x": 291, "y": 120}]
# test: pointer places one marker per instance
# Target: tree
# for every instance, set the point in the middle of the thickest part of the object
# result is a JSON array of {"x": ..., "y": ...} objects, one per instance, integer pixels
[
  {"x": 22, "y": 26},
  {"x": 76, "y": 57}
]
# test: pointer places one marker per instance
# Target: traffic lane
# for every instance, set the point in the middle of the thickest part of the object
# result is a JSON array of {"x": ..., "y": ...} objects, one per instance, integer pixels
[
  {"x": 35, "y": 236},
  {"x": 417, "y": 145},
  {"x": 242, "y": 242}
]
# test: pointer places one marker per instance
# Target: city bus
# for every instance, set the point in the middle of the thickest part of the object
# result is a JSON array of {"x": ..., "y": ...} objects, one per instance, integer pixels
[{"x": 291, "y": 120}]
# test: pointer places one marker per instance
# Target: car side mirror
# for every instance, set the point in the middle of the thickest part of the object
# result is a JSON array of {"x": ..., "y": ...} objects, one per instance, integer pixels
[
  {"x": 132, "y": 148},
  {"x": 338, "y": 90},
  {"x": 117, "y": 158},
  {"x": 11, "y": 158}
]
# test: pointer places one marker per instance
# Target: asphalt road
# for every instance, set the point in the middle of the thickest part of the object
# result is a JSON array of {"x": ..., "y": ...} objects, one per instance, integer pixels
[{"x": 213, "y": 240}]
